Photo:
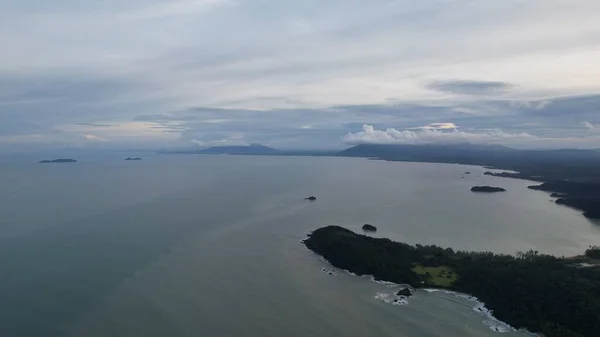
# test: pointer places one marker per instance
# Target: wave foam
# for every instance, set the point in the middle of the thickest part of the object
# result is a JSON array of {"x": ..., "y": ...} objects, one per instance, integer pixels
[
  {"x": 492, "y": 322},
  {"x": 391, "y": 299},
  {"x": 332, "y": 272}
]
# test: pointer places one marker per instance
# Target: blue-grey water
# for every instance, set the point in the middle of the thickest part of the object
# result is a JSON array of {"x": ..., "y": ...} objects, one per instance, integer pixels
[{"x": 209, "y": 245}]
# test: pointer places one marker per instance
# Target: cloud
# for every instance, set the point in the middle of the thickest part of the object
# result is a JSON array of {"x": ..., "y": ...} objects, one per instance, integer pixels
[
  {"x": 94, "y": 138},
  {"x": 266, "y": 68},
  {"x": 466, "y": 87},
  {"x": 230, "y": 140},
  {"x": 161, "y": 10},
  {"x": 97, "y": 125},
  {"x": 438, "y": 126},
  {"x": 591, "y": 127},
  {"x": 370, "y": 135}
]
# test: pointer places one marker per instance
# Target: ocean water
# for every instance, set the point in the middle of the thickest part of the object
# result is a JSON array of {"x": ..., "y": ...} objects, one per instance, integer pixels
[{"x": 210, "y": 245}]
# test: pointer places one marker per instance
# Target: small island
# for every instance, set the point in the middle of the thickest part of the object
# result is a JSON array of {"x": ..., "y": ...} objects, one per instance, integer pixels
[
  {"x": 62, "y": 160},
  {"x": 135, "y": 158},
  {"x": 487, "y": 189},
  {"x": 311, "y": 198},
  {"x": 369, "y": 228},
  {"x": 542, "y": 293}
]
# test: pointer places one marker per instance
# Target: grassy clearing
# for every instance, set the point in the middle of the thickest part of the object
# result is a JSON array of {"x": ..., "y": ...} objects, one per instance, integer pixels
[{"x": 442, "y": 276}]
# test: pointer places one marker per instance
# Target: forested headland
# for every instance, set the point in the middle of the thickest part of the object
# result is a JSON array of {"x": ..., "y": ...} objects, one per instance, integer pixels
[{"x": 542, "y": 293}]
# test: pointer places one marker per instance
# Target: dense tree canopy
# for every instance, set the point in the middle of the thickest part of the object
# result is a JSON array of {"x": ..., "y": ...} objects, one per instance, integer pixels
[{"x": 539, "y": 292}]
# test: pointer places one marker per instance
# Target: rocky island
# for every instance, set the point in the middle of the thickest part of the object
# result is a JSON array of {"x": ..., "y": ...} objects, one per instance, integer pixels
[
  {"x": 538, "y": 292},
  {"x": 135, "y": 158},
  {"x": 487, "y": 189},
  {"x": 311, "y": 198},
  {"x": 62, "y": 160}
]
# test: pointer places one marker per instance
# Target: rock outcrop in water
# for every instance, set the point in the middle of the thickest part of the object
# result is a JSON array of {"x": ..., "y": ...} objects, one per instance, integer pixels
[
  {"x": 404, "y": 292},
  {"x": 58, "y": 161},
  {"x": 311, "y": 198},
  {"x": 369, "y": 228},
  {"x": 135, "y": 158}
]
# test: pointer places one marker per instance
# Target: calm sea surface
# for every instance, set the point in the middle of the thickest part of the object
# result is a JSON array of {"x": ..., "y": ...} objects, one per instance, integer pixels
[{"x": 209, "y": 245}]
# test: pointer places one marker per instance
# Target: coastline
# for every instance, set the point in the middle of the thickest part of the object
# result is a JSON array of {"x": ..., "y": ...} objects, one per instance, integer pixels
[{"x": 583, "y": 201}]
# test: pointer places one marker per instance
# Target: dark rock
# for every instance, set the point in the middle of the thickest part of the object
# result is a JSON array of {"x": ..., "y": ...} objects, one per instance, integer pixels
[
  {"x": 404, "y": 292},
  {"x": 487, "y": 189},
  {"x": 130, "y": 158},
  {"x": 369, "y": 228},
  {"x": 311, "y": 198}
]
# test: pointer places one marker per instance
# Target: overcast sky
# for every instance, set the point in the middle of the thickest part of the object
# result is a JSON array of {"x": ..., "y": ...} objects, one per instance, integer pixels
[{"x": 298, "y": 74}]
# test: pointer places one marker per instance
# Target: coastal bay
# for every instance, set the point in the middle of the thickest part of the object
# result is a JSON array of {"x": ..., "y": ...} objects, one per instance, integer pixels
[{"x": 177, "y": 256}]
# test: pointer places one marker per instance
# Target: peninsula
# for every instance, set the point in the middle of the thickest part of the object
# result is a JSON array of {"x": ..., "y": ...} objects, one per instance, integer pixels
[
  {"x": 62, "y": 160},
  {"x": 528, "y": 290}
]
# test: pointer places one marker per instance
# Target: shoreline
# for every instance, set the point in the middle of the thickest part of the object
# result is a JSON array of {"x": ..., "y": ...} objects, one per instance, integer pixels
[{"x": 566, "y": 188}]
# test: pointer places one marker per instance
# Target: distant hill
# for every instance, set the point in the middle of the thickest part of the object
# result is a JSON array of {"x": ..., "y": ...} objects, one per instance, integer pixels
[
  {"x": 252, "y": 149},
  {"x": 490, "y": 155},
  {"x": 430, "y": 152}
]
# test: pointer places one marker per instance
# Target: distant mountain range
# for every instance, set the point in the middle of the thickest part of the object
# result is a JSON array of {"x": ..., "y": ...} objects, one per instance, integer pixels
[
  {"x": 433, "y": 152},
  {"x": 553, "y": 163},
  {"x": 250, "y": 150},
  {"x": 472, "y": 154}
]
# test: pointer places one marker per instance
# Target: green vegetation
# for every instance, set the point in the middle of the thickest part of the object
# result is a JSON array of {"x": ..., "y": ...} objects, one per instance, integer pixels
[
  {"x": 539, "y": 292},
  {"x": 442, "y": 276}
]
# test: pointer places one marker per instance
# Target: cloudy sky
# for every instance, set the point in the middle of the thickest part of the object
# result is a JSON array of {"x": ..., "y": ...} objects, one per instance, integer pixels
[{"x": 298, "y": 74}]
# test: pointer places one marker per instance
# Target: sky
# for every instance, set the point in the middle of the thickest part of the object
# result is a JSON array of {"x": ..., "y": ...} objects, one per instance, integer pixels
[{"x": 318, "y": 74}]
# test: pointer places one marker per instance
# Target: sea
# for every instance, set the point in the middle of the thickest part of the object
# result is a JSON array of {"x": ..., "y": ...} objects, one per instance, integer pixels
[{"x": 186, "y": 245}]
